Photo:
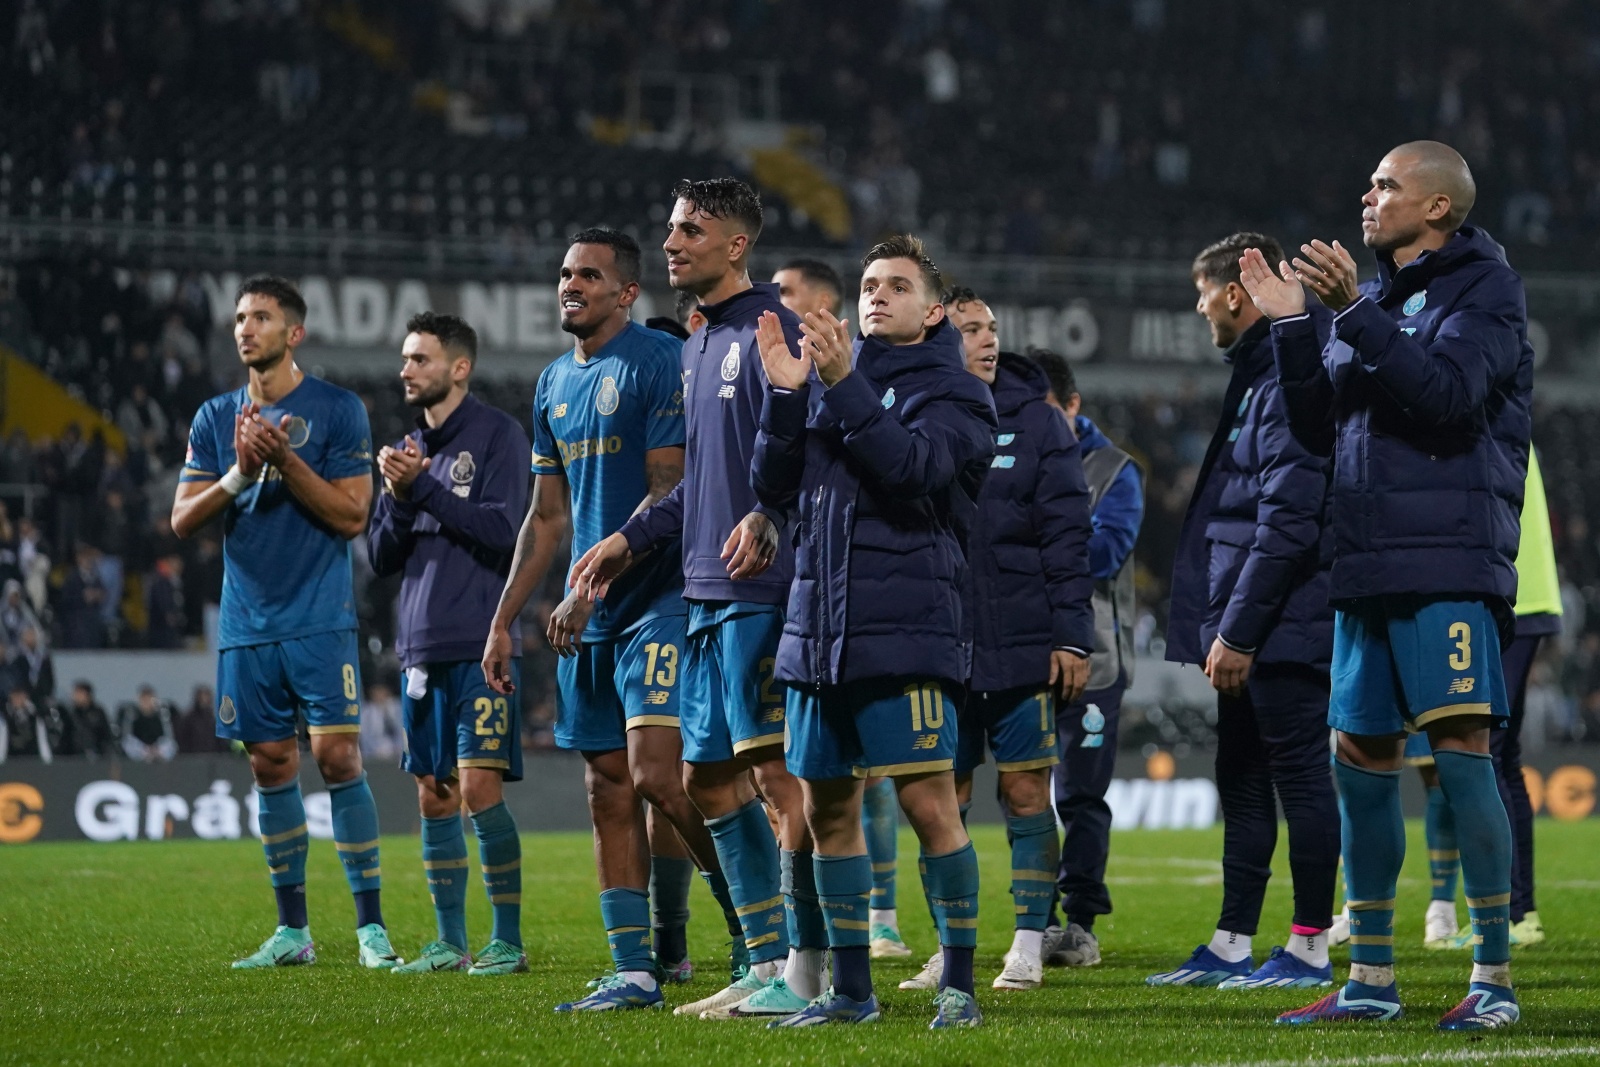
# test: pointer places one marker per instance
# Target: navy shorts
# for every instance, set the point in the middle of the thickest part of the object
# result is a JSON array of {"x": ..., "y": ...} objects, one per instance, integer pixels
[
  {"x": 262, "y": 688},
  {"x": 1019, "y": 726},
  {"x": 460, "y": 722},
  {"x": 611, "y": 687},
  {"x": 1401, "y": 662},
  {"x": 881, "y": 727},
  {"x": 731, "y": 702}
]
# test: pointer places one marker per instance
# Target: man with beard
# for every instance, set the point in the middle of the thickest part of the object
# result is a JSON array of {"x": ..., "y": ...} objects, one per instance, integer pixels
[
  {"x": 608, "y": 442},
  {"x": 447, "y": 521},
  {"x": 286, "y": 462}
]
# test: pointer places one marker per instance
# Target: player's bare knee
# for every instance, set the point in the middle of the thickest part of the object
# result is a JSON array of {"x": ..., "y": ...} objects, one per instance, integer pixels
[
  {"x": 436, "y": 799},
  {"x": 338, "y": 760},
  {"x": 480, "y": 791},
  {"x": 272, "y": 765},
  {"x": 1025, "y": 792}
]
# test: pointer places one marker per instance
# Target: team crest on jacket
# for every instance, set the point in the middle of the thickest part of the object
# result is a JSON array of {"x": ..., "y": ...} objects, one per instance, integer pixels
[
  {"x": 730, "y": 363},
  {"x": 1415, "y": 302},
  {"x": 606, "y": 403},
  {"x": 461, "y": 472},
  {"x": 299, "y": 431},
  {"x": 888, "y": 399}
]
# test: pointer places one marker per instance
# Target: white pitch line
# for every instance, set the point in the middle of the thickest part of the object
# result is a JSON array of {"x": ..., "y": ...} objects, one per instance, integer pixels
[{"x": 1462, "y": 1056}]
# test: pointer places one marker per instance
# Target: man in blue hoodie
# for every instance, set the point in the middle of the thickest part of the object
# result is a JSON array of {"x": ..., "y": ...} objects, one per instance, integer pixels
[
  {"x": 1086, "y": 730},
  {"x": 736, "y": 577},
  {"x": 1422, "y": 396},
  {"x": 447, "y": 522},
  {"x": 882, "y": 454},
  {"x": 1250, "y": 607},
  {"x": 1033, "y": 623}
]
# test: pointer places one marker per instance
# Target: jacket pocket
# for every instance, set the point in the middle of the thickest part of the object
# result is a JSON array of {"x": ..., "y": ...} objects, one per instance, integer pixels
[
  {"x": 1017, "y": 559},
  {"x": 1224, "y": 564}
]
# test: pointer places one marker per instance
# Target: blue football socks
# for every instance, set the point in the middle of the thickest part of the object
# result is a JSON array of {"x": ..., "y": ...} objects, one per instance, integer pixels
[
  {"x": 748, "y": 854},
  {"x": 1444, "y": 859},
  {"x": 281, "y": 814},
  {"x": 444, "y": 860},
  {"x": 355, "y": 835},
  {"x": 1484, "y": 834},
  {"x": 500, "y": 856},
  {"x": 1373, "y": 832},
  {"x": 880, "y": 822},
  {"x": 1035, "y": 854},
  {"x": 626, "y": 914},
  {"x": 952, "y": 881},
  {"x": 670, "y": 880},
  {"x": 844, "y": 885}
]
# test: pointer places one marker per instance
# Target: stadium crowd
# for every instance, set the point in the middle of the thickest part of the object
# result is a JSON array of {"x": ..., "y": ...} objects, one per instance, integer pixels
[{"x": 93, "y": 95}]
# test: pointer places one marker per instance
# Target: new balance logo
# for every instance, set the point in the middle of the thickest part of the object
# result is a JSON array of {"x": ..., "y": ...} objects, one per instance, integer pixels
[
  {"x": 1461, "y": 685},
  {"x": 657, "y": 696},
  {"x": 926, "y": 741},
  {"x": 727, "y": 392}
]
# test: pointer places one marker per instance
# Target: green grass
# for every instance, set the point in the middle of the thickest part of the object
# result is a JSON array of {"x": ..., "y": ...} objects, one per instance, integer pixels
[{"x": 123, "y": 950}]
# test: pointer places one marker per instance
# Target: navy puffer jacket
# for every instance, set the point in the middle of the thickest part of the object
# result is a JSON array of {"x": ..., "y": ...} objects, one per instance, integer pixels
[
  {"x": 885, "y": 469},
  {"x": 1029, "y": 550},
  {"x": 1254, "y": 551},
  {"x": 1422, "y": 395}
]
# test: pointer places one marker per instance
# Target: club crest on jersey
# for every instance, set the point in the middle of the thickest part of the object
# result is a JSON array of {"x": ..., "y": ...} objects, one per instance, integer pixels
[
  {"x": 1005, "y": 439},
  {"x": 608, "y": 400},
  {"x": 1415, "y": 302},
  {"x": 461, "y": 472},
  {"x": 888, "y": 399},
  {"x": 226, "y": 712},
  {"x": 299, "y": 431},
  {"x": 730, "y": 363}
]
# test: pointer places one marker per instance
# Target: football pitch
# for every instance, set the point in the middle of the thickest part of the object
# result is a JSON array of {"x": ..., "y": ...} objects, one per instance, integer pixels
[{"x": 121, "y": 951}]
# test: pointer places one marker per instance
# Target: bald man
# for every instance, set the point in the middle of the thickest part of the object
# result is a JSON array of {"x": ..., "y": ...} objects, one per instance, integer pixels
[{"x": 1421, "y": 395}]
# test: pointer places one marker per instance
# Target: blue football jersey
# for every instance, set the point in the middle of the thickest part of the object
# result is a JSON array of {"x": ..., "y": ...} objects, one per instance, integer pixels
[
  {"x": 593, "y": 422},
  {"x": 285, "y": 574}
]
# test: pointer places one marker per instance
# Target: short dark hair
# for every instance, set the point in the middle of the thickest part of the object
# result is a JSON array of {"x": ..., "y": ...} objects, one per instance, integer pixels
[
  {"x": 624, "y": 248},
  {"x": 451, "y": 330},
  {"x": 1063, "y": 383},
  {"x": 817, "y": 273},
  {"x": 1219, "y": 263},
  {"x": 958, "y": 295},
  {"x": 684, "y": 306},
  {"x": 905, "y": 246},
  {"x": 280, "y": 289},
  {"x": 723, "y": 198}
]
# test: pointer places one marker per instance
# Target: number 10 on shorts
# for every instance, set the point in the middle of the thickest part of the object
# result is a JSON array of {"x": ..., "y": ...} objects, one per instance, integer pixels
[{"x": 927, "y": 706}]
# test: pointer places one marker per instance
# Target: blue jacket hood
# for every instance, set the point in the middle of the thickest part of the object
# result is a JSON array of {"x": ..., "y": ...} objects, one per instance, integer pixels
[
  {"x": 1089, "y": 436},
  {"x": 1018, "y": 381}
]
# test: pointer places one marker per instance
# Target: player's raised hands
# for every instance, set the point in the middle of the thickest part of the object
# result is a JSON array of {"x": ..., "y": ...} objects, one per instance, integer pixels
[
  {"x": 752, "y": 546},
  {"x": 1278, "y": 295},
  {"x": 606, "y": 561},
  {"x": 401, "y": 466},
  {"x": 248, "y": 449},
  {"x": 1331, "y": 273},
  {"x": 827, "y": 342},
  {"x": 567, "y": 623},
  {"x": 272, "y": 441},
  {"x": 784, "y": 370}
]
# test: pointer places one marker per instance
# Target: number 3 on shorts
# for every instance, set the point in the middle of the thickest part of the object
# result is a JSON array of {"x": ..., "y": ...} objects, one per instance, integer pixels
[{"x": 1461, "y": 634}]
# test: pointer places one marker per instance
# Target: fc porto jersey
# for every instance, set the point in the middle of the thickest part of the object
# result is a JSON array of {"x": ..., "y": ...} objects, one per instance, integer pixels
[
  {"x": 593, "y": 422},
  {"x": 285, "y": 574}
]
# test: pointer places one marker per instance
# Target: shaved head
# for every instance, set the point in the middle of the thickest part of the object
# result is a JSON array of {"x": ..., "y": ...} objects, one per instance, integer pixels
[
  {"x": 1439, "y": 169},
  {"x": 1421, "y": 193}
]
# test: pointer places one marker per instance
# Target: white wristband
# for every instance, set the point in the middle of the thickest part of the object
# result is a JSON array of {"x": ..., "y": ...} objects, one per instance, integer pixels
[{"x": 235, "y": 481}]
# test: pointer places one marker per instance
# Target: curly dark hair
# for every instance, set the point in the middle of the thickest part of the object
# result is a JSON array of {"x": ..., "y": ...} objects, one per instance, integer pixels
[
  {"x": 285, "y": 292},
  {"x": 623, "y": 247},
  {"x": 451, "y": 330}
]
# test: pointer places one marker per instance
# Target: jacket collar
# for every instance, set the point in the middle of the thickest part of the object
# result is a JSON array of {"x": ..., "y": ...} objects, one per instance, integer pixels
[
  {"x": 742, "y": 304},
  {"x": 882, "y": 360},
  {"x": 438, "y": 437},
  {"x": 1249, "y": 352},
  {"x": 1089, "y": 436},
  {"x": 1465, "y": 245},
  {"x": 1018, "y": 381}
]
